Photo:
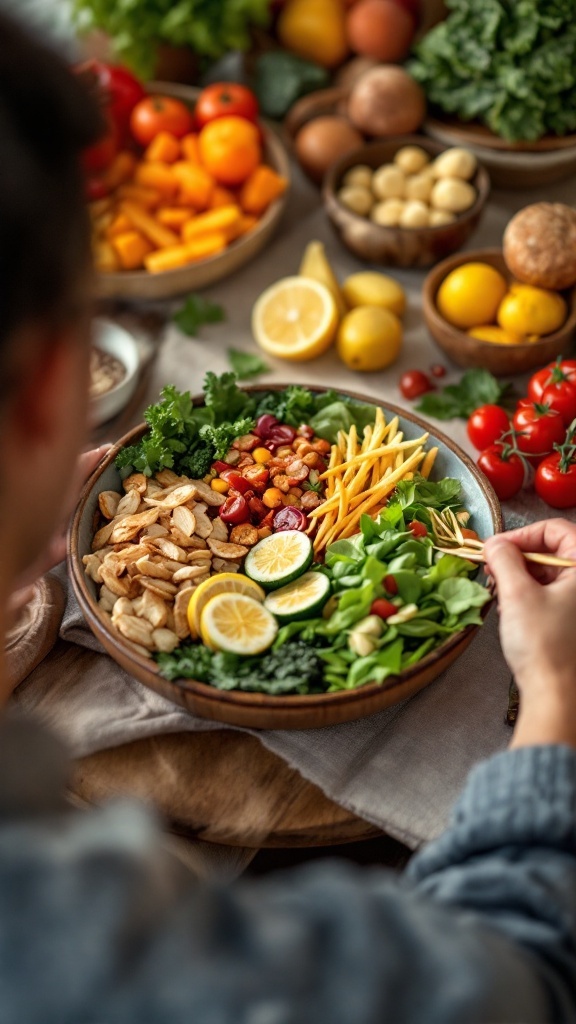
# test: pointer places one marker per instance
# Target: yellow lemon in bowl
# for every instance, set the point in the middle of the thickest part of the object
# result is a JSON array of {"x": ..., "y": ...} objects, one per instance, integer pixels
[
  {"x": 529, "y": 310},
  {"x": 370, "y": 338},
  {"x": 471, "y": 294}
]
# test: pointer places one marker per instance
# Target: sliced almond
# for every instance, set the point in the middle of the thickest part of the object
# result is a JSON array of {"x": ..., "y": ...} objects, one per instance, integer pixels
[
  {"x": 136, "y": 482},
  {"x": 165, "y": 640},
  {"x": 197, "y": 506},
  {"x": 108, "y": 502},
  {"x": 122, "y": 587},
  {"x": 183, "y": 518},
  {"x": 152, "y": 488},
  {"x": 205, "y": 492},
  {"x": 154, "y": 569},
  {"x": 219, "y": 529},
  {"x": 186, "y": 584},
  {"x": 104, "y": 609},
  {"x": 107, "y": 599},
  {"x": 162, "y": 588},
  {"x": 139, "y": 631},
  {"x": 92, "y": 566},
  {"x": 122, "y": 606},
  {"x": 188, "y": 572},
  {"x": 203, "y": 525},
  {"x": 221, "y": 565},
  {"x": 179, "y": 496},
  {"x": 186, "y": 542},
  {"x": 199, "y": 557},
  {"x": 154, "y": 609},
  {"x": 102, "y": 536},
  {"x": 156, "y": 530},
  {"x": 223, "y": 550},
  {"x": 166, "y": 477},
  {"x": 169, "y": 549},
  {"x": 127, "y": 528},
  {"x": 128, "y": 505},
  {"x": 181, "y": 627},
  {"x": 138, "y": 649}
]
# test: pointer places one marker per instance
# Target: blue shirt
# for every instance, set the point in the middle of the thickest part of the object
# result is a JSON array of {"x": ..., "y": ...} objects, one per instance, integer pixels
[{"x": 99, "y": 926}]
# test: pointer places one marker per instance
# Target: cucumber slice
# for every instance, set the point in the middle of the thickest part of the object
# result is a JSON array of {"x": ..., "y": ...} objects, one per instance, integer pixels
[
  {"x": 304, "y": 598},
  {"x": 279, "y": 559}
]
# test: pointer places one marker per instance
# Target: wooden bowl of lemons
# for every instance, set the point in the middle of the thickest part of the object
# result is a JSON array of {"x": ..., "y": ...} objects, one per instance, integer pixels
[{"x": 480, "y": 317}]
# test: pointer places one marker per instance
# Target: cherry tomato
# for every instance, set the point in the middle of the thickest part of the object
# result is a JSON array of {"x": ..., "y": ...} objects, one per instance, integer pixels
[
  {"x": 486, "y": 425},
  {"x": 225, "y": 98},
  {"x": 159, "y": 114},
  {"x": 504, "y": 469},
  {"x": 236, "y": 480},
  {"x": 281, "y": 434},
  {"x": 235, "y": 510},
  {"x": 417, "y": 529},
  {"x": 437, "y": 370},
  {"x": 383, "y": 608},
  {"x": 390, "y": 585},
  {"x": 264, "y": 424},
  {"x": 539, "y": 428},
  {"x": 556, "y": 385},
  {"x": 414, "y": 383},
  {"x": 290, "y": 518},
  {"x": 555, "y": 481},
  {"x": 119, "y": 89}
]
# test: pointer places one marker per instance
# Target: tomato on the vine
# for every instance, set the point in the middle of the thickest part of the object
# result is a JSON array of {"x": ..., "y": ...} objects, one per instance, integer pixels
[
  {"x": 486, "y": 425},
  {"x": 225, "y": 98},
  {"x": 556, "y": 385},
  {"x": 504, "y": 469},
  {"x": 159, "y": 114},
  {"x": 539, "y": 428},
  {"x": 414, "y": 383},
  {"x": 555, "y": 480}
]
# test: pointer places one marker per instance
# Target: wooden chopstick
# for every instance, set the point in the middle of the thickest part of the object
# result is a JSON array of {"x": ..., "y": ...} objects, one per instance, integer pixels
[{"x": 531, "y": 556}]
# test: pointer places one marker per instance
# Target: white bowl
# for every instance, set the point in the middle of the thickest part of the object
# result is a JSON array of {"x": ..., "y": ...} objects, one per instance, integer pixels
[{"x": 112, "y": 338}]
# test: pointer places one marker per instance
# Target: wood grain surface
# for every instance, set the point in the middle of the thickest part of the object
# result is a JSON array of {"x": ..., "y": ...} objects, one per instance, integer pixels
[{"x": 220, "y": 786}]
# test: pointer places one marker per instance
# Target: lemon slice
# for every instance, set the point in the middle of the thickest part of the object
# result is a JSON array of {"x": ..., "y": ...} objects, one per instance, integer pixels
[
  {"x": 279, "y": 559},
  {"x": 237, "y": 624},
  {"x": 296, "y": 318},
  {"x": 223, "y": 582}
]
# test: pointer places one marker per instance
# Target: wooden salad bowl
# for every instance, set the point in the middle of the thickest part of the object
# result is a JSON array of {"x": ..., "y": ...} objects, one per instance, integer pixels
[
  {"x": 257, "y": 710},
  {"x": 140, "y": 285}
]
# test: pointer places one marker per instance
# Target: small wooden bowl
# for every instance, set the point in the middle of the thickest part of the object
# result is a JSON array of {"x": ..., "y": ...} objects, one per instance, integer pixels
[
  {"x": 139, "y": 285},
  {"x": 399, "y": 247},
  {"x": 501, "y": 360},
  {"x": 258, "y": 710}
]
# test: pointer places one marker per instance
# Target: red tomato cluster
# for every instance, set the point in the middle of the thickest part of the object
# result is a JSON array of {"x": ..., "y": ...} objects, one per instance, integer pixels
[{"x": 542, "y": 434}]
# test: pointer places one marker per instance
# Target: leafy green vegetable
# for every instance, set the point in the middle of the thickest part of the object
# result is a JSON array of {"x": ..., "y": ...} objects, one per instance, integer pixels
[
  {"x": 508, "y": 63},
  {"x": 296, "y": 668},
  {"x": 340, "y": 415},
  {"x": 476, "y": 388},
  {"x": 211, "y": 28},
  {"x": 245, "y": 365},
  {"x": 281, "y": 78},
  {"x": 196, "y": 311},
  {"x": 220, "y": 438},
  {"x": 224, "y": 399}
]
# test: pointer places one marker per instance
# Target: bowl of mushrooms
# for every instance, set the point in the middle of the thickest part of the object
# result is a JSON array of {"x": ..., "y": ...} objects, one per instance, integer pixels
[{"x": 406, "y": 201}]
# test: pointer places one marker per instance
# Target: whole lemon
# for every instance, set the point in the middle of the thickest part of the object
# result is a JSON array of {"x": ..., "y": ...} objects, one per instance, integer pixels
[
  {"x": 530, "y": 310},
  {"x": 370, "y": 338},
  {"x": 369, "y": 288},
  {"x": 471, "y": 294}
]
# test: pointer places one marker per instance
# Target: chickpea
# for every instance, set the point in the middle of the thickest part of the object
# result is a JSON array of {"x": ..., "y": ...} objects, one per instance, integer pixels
[
  {"x": 415, "y": 215},
  {"x": 389, "y": 182},
  {"x": 357, "y": 199},
  {"x": 453, "y": 194},
  {"x": 359, "y": 175},
  {"x": 388, "y": 213},
  {"x": 411, "y": 159}
]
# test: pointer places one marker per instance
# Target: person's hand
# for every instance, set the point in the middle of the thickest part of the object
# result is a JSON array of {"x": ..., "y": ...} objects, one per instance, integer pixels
[
  {"x": 538, "y": 628},
  {"x": 56, "y": 550}
]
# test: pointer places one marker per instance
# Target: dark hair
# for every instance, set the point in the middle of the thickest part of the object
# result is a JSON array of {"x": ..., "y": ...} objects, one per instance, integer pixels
[{"x": 47, "y": 116}]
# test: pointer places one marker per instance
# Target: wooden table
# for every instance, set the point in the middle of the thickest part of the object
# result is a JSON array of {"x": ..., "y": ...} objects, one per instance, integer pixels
[{"x": 222, "y": 787}]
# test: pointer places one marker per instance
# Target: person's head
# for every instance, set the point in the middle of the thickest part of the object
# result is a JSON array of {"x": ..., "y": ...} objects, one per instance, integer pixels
[{"x": 46, "y": 119}]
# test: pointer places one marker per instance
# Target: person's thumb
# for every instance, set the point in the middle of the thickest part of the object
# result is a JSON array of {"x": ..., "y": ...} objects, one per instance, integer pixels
[{"x": 506, "y": 564}]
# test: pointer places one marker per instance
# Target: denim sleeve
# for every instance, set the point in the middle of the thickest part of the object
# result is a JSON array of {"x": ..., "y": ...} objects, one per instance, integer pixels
[{"x": 96, "y": 926}]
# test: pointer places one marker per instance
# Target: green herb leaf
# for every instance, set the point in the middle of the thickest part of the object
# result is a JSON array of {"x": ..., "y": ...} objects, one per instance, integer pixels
[
  {"x": 477, "y": 387},
  {"x": 245, "y": 365},
  {"x": 197, "y": 310}
]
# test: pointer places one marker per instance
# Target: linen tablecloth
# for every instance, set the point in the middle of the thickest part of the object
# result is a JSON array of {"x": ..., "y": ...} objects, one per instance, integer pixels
[{"x": 400, "y": 769}]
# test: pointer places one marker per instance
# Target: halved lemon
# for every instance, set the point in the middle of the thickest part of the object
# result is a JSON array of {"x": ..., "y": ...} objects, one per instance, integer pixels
[
  {"x": 277, "y": 560},
  {"x": 237, "y": 624},
  {"x": 223, "y": 582},
  {"x": 296, "y": 318}
]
